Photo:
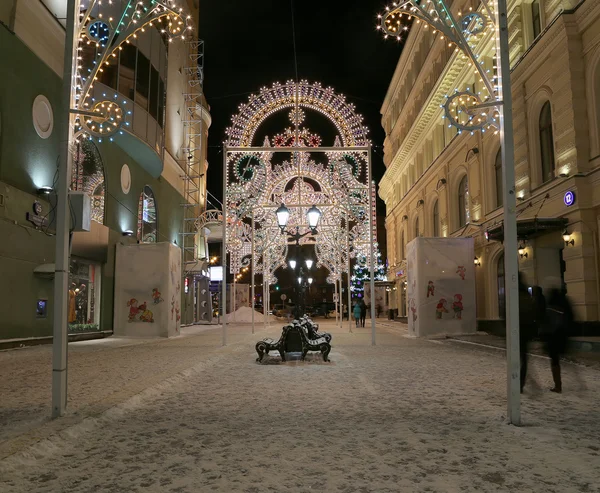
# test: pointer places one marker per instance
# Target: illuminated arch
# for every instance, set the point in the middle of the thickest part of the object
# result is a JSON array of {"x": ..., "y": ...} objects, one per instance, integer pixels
[
  {"x": 304, "y": 95},
  {"x": 87, "y": 175}
]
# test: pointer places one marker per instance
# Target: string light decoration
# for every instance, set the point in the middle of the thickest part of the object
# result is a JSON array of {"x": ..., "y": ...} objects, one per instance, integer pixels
[
  {"x": 465, "y": 109},
  {"x": 361, "y": 274},
  {"x": 303, "y": 95},
  {"x": 257, "y": 184},
  {"x": 103, "y": 27}
]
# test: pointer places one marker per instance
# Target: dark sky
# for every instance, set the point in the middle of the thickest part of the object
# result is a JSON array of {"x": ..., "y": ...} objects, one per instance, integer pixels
[{"x": 250, "y": 44}]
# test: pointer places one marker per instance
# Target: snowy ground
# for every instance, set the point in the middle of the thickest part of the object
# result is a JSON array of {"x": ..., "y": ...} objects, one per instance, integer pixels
[{"x": 186, "y": 415}]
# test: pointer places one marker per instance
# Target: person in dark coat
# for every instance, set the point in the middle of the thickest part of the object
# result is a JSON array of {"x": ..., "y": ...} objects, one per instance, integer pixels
[
  {"x": 527, "y": 327},
  {"x": 363, "y": 313},
  {"x": 558, "y": 323}
]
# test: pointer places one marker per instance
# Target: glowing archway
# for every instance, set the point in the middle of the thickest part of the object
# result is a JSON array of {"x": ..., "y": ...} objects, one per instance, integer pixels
[{"x": 303, "y": 94}]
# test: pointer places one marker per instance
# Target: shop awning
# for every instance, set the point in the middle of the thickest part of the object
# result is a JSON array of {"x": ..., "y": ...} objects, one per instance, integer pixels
[{"x": 529, "y": 228}]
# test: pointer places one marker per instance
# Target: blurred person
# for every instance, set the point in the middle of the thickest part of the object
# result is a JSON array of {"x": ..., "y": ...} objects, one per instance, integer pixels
[
  {"x": 357, "y": 311},
  {"x": 557, "y": 327},
  {"x": 363, "y": 313},
  {"x": 527, "y": 327}
]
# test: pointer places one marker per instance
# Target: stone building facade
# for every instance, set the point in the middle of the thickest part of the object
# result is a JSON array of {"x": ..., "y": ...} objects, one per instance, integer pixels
[
  {"x": 441, "y": 183},
  {"x": 136, "y": 183}
]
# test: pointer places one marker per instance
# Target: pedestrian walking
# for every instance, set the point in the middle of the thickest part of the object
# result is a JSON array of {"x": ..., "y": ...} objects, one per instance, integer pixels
[
  {"x": 527, "y": 328},
  {"x": 556, "y": 329},
  {"x": 363, "y": 313},
  {"x": 357, "y": 313}
]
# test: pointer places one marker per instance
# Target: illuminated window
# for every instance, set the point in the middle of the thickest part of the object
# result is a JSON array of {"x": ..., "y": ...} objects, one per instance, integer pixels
[{"x": 147, "y": 217}]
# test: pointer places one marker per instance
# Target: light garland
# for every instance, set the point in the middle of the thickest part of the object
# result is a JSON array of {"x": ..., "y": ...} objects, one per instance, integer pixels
[
  {"x": 464, "y": 109},
  {"x": 106, "y": 27}
]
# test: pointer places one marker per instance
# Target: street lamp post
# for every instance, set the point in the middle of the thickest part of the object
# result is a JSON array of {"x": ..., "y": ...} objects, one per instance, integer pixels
[{"x": 313, "y": 216}]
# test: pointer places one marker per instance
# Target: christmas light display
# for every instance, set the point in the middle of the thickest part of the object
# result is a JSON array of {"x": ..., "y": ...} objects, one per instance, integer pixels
[
  {"x": 259, "y": 180},
  {"x": 361, "y": 274},
  {"x": 468, "y": 33},
  {"x": 103, "y": 27}
]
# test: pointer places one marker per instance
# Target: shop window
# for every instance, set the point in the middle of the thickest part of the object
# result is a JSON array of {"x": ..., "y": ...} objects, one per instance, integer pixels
[
  {"x": 142, "y": 80},
  {"x": 498, "y": 177},
  {"x": 84, "y": 296},
  {"x": 501, "y": 288},
  {"x": 436, "y": 219},
  {"x": 87, "y": 175},
  {"x": 546, "y": 142},
  {"x": 147, "y": 217},
  {"x": 463, "y": 202},
  {"x": 127, "y": 63}
]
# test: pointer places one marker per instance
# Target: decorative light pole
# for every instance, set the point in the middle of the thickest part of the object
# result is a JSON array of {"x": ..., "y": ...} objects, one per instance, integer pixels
[
  {"x": 470, "y": 111},
  {"x": 313, "y": 216}
]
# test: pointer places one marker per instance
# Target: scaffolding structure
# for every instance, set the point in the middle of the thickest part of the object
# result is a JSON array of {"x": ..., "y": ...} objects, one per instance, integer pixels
[{"x": 192, "y": 155}]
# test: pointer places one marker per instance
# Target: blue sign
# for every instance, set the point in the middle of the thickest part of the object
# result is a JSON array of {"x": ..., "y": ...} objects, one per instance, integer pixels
[{"x": 569, "y": 198}]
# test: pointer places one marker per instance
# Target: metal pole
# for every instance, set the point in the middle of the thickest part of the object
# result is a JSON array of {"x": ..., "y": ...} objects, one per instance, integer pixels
[
  {"x": 348, "y": 266},
  {"x": 373, "y": 260},
  {"x": 224, "y": 247},
  {"x": 61, "y": 279},
  {"x": 252, "y": 273},
  {"x": 511, "y": 266}
]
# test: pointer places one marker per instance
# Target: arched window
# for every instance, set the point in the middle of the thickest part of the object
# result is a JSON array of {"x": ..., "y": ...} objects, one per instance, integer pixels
[
  {"x": 402, "y": 245},
  {"x": 498, "y": 175},
  {"x": 436, "y": 219},
  {"x": 417, "y": 227},
  {"x": 147, "y": 217},
  {"x": 87, "y": 175},
  {"x": 546, "y": 143},
  {"x": 501, "y": 283},
  {"x": 463, "y": 202}
]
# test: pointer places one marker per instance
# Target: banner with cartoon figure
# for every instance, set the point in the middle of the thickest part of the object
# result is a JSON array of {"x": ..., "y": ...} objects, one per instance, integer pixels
[
  {"x": 147, "y": 290},
  {"x": 441, "y": 286}
]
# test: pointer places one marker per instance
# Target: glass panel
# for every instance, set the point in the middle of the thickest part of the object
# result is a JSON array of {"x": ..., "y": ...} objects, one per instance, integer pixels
[
  {"x": 436, "y": 219},
  {"x": 109, "y": 74},
  {"x": 463, "y": 202},
  {"x": 161, "y": 102},
  {"x": 153, "y": 106},
  {"x": 417, "y": 228},
  {"x": 147, "y": 218},
  {"x": 142, "y": 79},
  {"x": 127, "y": 70},
  {"x": 83, "y": 315}
]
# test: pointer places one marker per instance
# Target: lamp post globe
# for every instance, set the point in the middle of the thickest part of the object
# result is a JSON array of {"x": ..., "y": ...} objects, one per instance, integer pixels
[
  {"x": 313, "y": 214},
  {"x": 283, "y": 215},
  {"x": 309, "y": 263},
  {"x": 292, "y": 264}
]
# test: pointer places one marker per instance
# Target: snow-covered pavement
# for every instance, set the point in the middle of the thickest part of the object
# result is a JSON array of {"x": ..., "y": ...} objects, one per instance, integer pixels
[{"x": 187, "y": 415}]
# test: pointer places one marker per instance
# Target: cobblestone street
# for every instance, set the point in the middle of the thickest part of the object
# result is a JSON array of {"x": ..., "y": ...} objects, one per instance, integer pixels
[{"x": 187, "y": 415}]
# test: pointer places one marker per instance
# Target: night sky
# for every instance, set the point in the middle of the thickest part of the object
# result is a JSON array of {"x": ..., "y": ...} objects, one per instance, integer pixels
[{"x": 249, "y": 45}]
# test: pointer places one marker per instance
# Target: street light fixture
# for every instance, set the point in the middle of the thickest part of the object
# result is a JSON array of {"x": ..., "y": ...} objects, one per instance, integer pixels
[
  {"x": 309, "y": 263},
  {"x": 292, "y": 264},
  {"x": 283, "y": 215},
  {"x": 310, "y": 280},
  {"x": 313, "y": 216}
]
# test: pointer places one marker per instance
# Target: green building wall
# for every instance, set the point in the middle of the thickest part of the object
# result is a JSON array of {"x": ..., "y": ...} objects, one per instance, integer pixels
[{"x": 28, "y": 162}]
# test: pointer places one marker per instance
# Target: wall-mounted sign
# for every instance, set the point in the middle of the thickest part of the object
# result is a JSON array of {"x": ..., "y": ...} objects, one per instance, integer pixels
[
  {"x": 216, "y": 273},
  {"x": 569, "y": 198}
]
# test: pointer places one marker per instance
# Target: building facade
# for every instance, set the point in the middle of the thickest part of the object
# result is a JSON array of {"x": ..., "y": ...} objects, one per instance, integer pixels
[
  {"x": 441, "y": 183},
  {"x": 145, "y": 182}
]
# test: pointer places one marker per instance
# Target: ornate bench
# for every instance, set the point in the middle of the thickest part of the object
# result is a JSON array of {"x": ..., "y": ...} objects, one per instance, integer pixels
[{"x": 296, "y": 337}]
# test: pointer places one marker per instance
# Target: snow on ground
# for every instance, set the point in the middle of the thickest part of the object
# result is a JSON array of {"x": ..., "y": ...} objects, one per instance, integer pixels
[
  {"x": 244, "y": 315},
  {"x": 406, "y": 415}
]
